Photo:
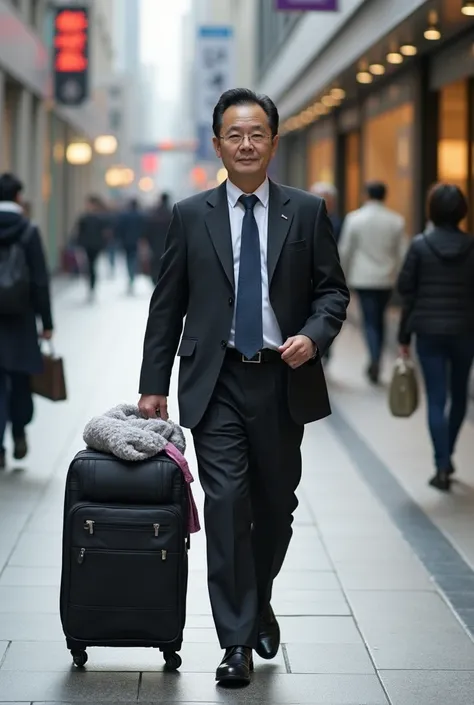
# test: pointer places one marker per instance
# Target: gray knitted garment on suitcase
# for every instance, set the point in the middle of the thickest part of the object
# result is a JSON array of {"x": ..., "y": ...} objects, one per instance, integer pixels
[{"x": 123, "y": 432}]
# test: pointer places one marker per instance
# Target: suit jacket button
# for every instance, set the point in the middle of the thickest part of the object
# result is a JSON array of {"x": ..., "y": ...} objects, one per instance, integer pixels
[
  {"x": 231, "y": 301},
  {"x": 223, "y": 344}
]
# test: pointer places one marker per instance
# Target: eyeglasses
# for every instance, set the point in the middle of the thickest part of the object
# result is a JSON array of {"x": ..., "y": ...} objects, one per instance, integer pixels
[{"x": 236, "y": 138}]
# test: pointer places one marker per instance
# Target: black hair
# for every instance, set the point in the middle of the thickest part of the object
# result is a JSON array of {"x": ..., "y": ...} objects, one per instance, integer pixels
[
  {"x": 244, "y": 96},
  {"x": 447, "y": 205},
  {"x": 10, "y": 187},
  {"x": 134, "y": 205},
  {"x": 165, "y": 198},
  {"x": 376, "y": 190}
]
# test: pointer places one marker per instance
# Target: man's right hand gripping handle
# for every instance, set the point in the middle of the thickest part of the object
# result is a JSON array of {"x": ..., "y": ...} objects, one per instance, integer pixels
[{"x": 153, "y": 405}]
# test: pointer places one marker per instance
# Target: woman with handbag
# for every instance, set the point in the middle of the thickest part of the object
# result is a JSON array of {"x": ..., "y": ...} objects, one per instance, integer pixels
[
  {"x": 24, "y": 296},
  {"x": 436, "y": 284}
]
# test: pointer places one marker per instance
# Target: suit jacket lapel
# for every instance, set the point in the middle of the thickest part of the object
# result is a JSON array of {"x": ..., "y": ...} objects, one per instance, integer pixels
[
  {"x": 280, "y": 216},
  {"x": 218, "y": 225}
]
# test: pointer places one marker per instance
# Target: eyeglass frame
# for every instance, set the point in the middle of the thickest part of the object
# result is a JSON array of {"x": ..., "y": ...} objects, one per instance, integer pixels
[{"x": 265, "y": 137}]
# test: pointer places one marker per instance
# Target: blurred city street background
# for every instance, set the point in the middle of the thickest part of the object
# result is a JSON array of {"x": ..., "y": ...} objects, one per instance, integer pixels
[{"x": 376, "y": 599}]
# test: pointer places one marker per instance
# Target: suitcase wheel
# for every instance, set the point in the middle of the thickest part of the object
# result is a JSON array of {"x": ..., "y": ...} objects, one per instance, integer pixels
[
  {"x": 79, "y": 658},
  {"x": 172, "y": 660}
]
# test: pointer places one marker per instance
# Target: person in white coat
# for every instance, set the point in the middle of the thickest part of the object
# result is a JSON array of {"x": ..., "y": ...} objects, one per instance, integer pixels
[{"x": 372, "y": 247}]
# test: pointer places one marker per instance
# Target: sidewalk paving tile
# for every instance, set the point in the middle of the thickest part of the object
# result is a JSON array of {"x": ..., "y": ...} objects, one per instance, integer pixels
[
  {"x": 269, "y": 690},
  {"x": 429, "y": 687},
  {"x": 69, "y": 687}
]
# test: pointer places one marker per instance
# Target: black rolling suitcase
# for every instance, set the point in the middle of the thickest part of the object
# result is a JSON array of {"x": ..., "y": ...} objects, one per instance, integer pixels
[{"x": 125, "y": 565}]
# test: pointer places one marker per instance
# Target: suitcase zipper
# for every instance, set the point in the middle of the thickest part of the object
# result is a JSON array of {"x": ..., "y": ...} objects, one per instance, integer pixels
[
  {"x": 82, "y": 555},
  {"x": 90, "y": 526}
]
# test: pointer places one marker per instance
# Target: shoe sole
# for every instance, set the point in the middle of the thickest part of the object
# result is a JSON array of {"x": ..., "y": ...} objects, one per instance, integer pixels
[{"x": 233, "y": 679}]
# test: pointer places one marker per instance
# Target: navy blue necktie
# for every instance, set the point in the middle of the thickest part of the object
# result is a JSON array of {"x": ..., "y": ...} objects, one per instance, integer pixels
[{"x": 248, "y": 314}]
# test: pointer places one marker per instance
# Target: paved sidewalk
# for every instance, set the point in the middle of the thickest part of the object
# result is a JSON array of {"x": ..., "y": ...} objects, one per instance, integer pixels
[{"x": 363, "y": 623}]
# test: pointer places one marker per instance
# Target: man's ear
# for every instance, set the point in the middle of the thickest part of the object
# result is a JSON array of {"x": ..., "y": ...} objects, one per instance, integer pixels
[{"x": 217, "y": 146}]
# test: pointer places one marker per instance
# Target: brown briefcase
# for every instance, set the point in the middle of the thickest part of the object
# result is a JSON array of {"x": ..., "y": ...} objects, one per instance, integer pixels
[{"x": 51, "y": 382}]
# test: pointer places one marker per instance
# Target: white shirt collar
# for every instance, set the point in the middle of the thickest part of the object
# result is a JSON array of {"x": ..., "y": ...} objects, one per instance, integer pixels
[
  {"x": 10, "y": 207},
  {"x": 234, "y": 193}
]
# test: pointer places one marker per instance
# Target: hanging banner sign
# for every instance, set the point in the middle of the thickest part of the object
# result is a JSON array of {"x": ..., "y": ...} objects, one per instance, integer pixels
[
  {"x": 308, "y": 5},
  {"x": 214, "y": 74},
  {"x": 71, "y": 55}
]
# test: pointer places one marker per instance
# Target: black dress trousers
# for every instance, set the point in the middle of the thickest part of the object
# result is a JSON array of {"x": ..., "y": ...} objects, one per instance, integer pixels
[{"x": 249, "y": 459}]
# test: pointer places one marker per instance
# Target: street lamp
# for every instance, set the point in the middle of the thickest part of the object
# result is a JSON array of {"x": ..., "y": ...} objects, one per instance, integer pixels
[
  {"x": 106, "y": 145},
  {"x": 79, "y": 153},
  {"x": 119, "y": 176},
  {"x": 146, "y": 184}
]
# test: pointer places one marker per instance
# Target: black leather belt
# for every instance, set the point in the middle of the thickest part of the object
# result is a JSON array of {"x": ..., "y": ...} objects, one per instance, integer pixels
[{"x": 263, "y": 356}]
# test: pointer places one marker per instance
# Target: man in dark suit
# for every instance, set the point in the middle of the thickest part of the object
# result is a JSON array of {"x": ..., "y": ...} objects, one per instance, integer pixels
[{"x": 254, "y": 268}]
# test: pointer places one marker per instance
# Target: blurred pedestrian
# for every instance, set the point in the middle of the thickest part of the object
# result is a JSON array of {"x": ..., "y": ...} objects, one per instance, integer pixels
[
  {"x": 329, "y": 193},
  {"x": 157, "y": 226},
  {"x": 372, "y": 247},
  {"x": 253, "y": 268},
  {"x": 111, "y": 247},
  {"x": 24, "y": 297},
  {"x": 129, "y": 231},
  {"x": 437, "y": 286},
  {"x": 91, "y": 236}
]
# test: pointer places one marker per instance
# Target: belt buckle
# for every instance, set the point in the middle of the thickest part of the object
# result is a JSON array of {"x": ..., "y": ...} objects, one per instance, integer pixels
[{"x": 253, "y": 361}]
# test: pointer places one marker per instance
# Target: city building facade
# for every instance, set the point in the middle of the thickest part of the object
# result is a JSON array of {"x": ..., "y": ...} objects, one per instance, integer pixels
[
  {"x": 35, "y": 132},
  {"x": 238, "y": 18},
  {"x": 376, "y": 90}
]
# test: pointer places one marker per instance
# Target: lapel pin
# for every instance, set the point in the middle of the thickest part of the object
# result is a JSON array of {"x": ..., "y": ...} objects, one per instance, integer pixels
[{"x": 284, "y": 216}]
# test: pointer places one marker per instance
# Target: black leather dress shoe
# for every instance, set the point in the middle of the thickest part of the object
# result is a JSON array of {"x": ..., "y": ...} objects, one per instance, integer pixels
[
  {"x": 268, "y": 635},
  {"x": 236, "y": 666}
]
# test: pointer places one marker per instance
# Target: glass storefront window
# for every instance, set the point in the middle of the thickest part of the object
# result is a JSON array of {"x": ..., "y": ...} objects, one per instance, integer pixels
[
  {"x": 453, "y": 156},
  {"x": 321, "y": 161},
  {"x": 388, "y": 150},
  {"x": 352, "y": 174}
]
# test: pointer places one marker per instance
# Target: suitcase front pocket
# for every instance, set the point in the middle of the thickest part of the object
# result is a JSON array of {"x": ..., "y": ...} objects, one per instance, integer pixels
[
  {"x": 126, "y": 529},
  {"x": 129, "y": 580}
]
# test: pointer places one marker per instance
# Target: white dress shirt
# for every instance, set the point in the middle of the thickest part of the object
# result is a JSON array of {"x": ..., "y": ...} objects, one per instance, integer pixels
[{"x": 271, "y": 331}]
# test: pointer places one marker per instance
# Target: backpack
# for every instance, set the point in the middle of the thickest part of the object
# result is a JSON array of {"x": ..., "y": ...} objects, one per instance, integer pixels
[{"x": 15, "y": 284}]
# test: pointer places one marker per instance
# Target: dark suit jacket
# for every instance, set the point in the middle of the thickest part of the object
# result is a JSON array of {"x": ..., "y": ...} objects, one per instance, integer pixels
[{"x": 308, "y": 294}]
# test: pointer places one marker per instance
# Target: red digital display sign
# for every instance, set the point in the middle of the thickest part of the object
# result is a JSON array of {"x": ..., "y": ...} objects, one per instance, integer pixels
[{"x": 71, "y": 54}]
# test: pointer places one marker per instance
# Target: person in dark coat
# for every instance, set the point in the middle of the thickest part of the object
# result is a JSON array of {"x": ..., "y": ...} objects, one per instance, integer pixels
[
  {"x": 91, "y": 235},
  {"x": 20, "y": 354},
  {"x": 156, "y": 228},
  {"x": 436, "y": 284},
  {"x": 129, "y": 232}
]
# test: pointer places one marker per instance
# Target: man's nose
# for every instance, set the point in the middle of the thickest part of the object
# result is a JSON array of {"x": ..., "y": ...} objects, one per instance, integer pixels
[{"x": 246, "y": 143}]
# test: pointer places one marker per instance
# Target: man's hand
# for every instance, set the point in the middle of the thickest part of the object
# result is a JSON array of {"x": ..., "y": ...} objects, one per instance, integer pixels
[
  {"x": 153, "y": 405},
  {"x": 47, "y": 334},
  {"x": 297, "y": 351}
]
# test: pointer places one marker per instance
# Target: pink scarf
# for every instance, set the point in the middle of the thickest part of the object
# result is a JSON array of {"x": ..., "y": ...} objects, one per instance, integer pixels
[{"x": 193, "y": 516}]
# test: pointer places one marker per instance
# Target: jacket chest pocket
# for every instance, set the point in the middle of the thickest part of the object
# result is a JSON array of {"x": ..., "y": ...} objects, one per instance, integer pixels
[{"x": 296, "y": 246}]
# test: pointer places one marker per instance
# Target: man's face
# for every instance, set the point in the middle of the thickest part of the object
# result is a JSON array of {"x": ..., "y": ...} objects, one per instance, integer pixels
[{"x": 245, "y": 143}]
